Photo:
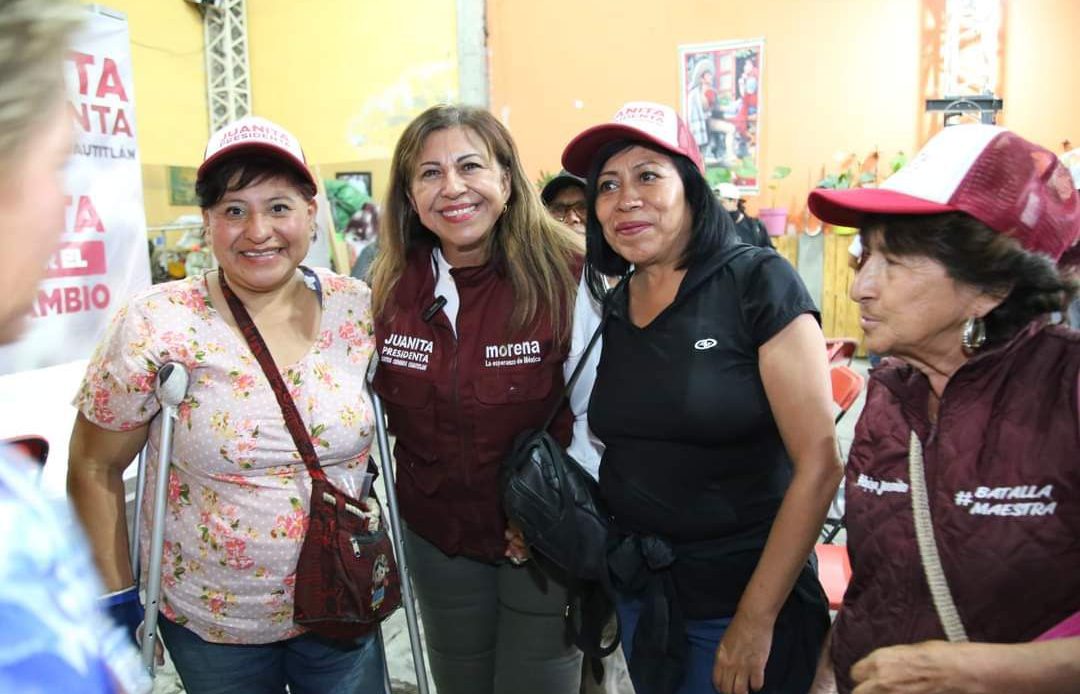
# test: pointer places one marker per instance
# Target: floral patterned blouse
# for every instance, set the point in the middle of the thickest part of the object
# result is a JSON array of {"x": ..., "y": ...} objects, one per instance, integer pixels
[{"x": 238, "y": 491}]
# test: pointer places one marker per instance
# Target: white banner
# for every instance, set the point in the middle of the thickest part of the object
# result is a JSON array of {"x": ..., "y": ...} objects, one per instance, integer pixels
[{"x": 102, "y": 259}]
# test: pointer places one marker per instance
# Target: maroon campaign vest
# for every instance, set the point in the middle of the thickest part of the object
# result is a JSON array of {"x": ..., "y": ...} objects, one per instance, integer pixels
[
  {"x": 1003, "y": 480},
  {"x": 456, "y": 404}
]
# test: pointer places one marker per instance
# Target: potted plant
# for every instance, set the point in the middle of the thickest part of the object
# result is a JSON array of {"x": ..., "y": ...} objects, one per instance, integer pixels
[
  {"x": 856, "y": 174},
  {"x": 775, "y": 218}
]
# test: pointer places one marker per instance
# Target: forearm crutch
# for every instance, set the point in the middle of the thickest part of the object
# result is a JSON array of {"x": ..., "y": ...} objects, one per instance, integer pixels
[
  {"x": 172, "y": 383},
  {"x": 397, "y": 530}
]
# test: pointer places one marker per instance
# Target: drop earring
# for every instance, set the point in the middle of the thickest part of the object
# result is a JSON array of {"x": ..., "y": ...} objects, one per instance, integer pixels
[{"x": 974, "y": 336}]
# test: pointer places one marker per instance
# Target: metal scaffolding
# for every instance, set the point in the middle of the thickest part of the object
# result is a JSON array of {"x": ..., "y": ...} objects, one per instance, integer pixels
[{"x": 228, "y": 77}]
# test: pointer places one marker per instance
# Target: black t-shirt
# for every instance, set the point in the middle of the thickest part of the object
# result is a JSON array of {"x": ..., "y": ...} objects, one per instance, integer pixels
[{"x": 692, "y": 450}]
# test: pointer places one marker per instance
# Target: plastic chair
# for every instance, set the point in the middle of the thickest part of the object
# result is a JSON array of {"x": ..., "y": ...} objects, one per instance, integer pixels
[
  {"x": 841, "y": 349},
  {"x": 846, "y": 386},
  {"x": 834, "y": 572},
  {"x": 834, "y": 568}
]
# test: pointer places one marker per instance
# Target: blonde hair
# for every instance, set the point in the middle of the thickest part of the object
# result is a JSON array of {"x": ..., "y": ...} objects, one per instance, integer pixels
[
  {"x": 33, "y": 41},
  {"x": 538, "y": 252}
]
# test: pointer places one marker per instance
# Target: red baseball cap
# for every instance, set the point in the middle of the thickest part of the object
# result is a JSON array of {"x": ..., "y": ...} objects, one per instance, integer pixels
[
  {"x": 638, "y": 120},
  {"x": 1013, "y": 186},
  {"x": 252, "y": 134}
]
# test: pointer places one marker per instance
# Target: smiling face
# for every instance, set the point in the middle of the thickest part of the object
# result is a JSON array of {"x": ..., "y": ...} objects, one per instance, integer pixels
[
  {"x": 641, "y": 206},
  {"x": 261, "y": 233},
  {"x": 910, "y": 307},
  {"x": 458, "y": 191},
  {"x": 31, "y": 217}
]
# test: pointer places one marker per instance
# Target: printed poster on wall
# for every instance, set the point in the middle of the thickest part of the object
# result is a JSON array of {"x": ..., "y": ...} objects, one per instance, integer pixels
[
  {"x": 102, "y": 259},
  {"x": 721, "y": 102}
]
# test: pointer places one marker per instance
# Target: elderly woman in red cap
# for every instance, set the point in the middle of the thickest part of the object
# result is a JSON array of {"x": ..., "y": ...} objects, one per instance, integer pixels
[
  {"x": 238, "y": 502},
  {"x": 963, "y": 489},
  {"x": 712, "y": 401}
]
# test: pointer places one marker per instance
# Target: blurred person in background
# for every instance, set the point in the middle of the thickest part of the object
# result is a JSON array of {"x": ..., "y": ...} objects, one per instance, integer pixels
[
  {"x": 564, "y": 197},
  {"x": 54, "y": 634},
  {"x": 749, "y": 229}
]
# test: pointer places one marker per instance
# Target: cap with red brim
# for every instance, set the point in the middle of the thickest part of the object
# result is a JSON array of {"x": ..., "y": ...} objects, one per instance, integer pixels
[{"x": 655, "y": 124}]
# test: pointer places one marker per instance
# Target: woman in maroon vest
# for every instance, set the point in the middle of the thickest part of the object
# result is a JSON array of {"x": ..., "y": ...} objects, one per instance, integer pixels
[
  {"x": 971, "y": 434},
  {"x": 473, "y": 290}
]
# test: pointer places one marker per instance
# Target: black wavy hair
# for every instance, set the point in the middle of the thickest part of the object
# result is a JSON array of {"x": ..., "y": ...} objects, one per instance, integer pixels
[{"x": 711, "y": 229}]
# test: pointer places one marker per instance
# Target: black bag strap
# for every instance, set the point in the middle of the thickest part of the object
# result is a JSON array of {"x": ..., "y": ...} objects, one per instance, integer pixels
[
  {"x": 262, "y": 355},
  {"x": 609, "y": 302}
]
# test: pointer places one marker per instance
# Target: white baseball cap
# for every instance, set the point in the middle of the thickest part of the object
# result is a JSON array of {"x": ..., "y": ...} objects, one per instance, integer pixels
[
  {"x": 727, "y": 190},
  {"x": 252, "y": 134},
  {"x": 1013, "y": 186},
  {"x": 638, "y": 120}
]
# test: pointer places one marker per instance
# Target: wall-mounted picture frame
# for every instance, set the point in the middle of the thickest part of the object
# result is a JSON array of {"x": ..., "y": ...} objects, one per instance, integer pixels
[
  {"x": 182, "y": 185},
  {"x": 362, "y": 179},
  {"x": 721, "y": 90}
]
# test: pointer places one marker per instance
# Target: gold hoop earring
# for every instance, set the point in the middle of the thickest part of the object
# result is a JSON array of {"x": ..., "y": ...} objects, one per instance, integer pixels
[{"x": 974, "y": 336}]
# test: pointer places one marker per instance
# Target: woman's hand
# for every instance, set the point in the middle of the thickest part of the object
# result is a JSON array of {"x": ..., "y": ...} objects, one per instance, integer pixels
[
  {"x": 742, "y": 655},
  {"x": 516, "y": 548},
  {"x": 931, "y": 667}
]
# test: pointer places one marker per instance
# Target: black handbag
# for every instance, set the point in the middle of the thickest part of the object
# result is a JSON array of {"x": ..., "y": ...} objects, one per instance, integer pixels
[{"x": 554, "y": 501}]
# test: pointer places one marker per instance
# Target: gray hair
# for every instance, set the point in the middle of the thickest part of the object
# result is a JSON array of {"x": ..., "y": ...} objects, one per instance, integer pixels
[{"x": 33, "y": 41}]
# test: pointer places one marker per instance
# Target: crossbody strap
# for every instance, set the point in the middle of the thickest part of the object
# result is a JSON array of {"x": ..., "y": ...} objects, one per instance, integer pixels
[
  {"x": 928, "y": 551},
  {"x": 608, "y": 303},
  {"x": 262, "y": 355}
]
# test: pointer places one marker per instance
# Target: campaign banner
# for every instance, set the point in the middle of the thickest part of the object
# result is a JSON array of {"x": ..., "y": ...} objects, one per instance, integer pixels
[{"x": 103, "y": 255}]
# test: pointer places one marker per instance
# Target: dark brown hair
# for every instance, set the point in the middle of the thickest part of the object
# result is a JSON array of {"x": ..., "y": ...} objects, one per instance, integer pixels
[{"x": 976, "y": 255}]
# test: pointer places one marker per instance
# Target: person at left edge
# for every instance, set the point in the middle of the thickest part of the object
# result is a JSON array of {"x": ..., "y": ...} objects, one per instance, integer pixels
[
  {"x": 237, "y": 510},
  {"x": 473, "y": 288},
  {"x": 54, "y": 638}
]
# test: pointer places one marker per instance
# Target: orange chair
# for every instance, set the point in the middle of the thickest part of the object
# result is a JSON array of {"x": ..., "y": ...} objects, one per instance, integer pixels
[
  {"x": 834, "y": 568},
  {"x": 846, "y": 386},
  {"x": 841, "y": 349},
  {"x": 834, "y": 572}
]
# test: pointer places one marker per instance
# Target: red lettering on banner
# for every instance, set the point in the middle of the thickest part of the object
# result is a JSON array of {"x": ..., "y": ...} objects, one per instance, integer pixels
[
  {"x": 77, "y": 299},
  {"x": 108, "y": 81},
  {"x": 110, "y": 121},
  {"x": 77, "y": 259},
  {"x": 121, "y": 125},
  {"x": 86, "y": 216},
  {"x": 81, "y": 60}
]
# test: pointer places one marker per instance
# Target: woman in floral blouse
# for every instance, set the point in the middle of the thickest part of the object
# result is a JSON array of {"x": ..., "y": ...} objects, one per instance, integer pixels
[{"x": 238, "y": 491}]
